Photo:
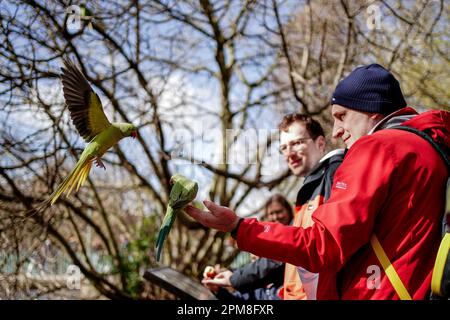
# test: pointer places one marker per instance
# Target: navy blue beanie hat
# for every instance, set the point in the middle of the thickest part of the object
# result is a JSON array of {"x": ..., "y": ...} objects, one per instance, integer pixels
[{"x": 371, "y": 89}]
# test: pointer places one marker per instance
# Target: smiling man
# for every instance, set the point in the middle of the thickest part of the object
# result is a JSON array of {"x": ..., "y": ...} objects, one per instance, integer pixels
[
  {"x": 385, "y": 206},
  {"x": 302, "y": 143}
]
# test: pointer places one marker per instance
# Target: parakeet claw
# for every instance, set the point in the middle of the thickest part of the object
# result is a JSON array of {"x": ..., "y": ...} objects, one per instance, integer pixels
[{"x": 99, "y": 163}]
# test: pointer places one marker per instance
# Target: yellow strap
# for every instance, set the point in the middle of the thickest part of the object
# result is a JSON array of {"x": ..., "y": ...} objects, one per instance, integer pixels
[
  {"x": 389, "y": 269},
  {"x": 438, "y": 270}
]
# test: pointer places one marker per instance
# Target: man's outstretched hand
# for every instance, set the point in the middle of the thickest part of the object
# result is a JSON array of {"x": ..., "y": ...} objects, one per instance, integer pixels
[{"x": 218, "y": 217}]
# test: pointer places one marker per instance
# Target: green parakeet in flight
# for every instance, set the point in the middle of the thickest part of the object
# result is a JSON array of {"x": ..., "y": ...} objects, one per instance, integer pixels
[
  {"x": 86, "y": 112},
  {"x": 182, "y": 192}
]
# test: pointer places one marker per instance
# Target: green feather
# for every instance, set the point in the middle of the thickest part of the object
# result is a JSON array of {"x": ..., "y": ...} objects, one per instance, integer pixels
[
  {"x": 169, "y": 218},
  {"x": 182, "y": 193}
]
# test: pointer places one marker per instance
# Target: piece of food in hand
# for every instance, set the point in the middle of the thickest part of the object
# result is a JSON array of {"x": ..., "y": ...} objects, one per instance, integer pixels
[{"x": 209, "y": 272}]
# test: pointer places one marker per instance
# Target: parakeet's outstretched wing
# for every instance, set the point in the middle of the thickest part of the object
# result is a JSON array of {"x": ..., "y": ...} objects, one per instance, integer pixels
[{"x": 84, "y": 104}]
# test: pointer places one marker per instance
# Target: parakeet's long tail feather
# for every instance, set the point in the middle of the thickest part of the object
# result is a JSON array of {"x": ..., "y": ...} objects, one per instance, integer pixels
[
  {"x": 164, "y": 231},
  {"x": 28, "y": 213},
  {"x": 76, "y": 177}
]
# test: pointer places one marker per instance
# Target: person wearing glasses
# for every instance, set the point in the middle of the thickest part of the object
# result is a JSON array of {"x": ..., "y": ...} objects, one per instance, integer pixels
[
  {"x": 377, "y": 236},
  {"x": 303, "y": 144}
]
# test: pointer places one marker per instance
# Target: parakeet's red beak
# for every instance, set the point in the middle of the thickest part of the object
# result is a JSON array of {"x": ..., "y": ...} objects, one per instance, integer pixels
[{"x": 134, "y": 134}]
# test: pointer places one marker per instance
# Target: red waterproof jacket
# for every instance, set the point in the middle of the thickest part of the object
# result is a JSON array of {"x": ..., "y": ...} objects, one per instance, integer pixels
[{"x": 391, "y": 183}]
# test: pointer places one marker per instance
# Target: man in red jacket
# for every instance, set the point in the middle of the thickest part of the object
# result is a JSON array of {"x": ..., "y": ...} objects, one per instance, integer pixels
[
  {"x": 302, "y": 143},
  {"x": 390, "y": 186}
]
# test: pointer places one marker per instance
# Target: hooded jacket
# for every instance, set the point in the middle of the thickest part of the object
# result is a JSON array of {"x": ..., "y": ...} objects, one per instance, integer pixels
[{"x": 391, "y": 183}]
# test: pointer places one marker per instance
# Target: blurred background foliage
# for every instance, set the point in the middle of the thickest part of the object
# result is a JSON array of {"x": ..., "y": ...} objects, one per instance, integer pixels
[{"x": 202, "y": 80}]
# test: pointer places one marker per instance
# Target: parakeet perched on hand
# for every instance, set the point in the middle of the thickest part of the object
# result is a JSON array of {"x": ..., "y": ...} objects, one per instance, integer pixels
[
  {"x": 182, "y": 192},
  {"x": 87, "y": 114}
]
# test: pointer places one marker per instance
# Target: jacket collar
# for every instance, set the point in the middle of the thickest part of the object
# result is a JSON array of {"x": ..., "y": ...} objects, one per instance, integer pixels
[
  {"x": 394, "y": 119},
  {"x": 316, "y": 172}
]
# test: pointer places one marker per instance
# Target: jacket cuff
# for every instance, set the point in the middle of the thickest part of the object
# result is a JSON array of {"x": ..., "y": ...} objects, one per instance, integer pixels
[{"x": 234, "y": 232}]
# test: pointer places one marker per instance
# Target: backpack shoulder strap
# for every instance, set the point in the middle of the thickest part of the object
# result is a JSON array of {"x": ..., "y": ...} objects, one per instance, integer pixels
[{"x": 389, "y": 269}]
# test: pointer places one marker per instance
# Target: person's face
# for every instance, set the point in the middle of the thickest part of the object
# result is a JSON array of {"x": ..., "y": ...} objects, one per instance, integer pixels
[
  {"x": 301, "y": 152},
  {"x": 350, "y": 125},
  {"x": 277, "y": 213}
]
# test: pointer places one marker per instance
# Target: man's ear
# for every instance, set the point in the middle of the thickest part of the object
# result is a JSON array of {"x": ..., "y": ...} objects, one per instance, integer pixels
[
  {"x": 376, "y": 116},
  {"x": 321, "y": 143}
]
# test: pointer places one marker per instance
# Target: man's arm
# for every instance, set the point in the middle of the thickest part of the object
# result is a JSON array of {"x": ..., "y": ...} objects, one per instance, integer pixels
[
  {"x": 250, "y": 277},
  {"x": 257, "y": 275},
  {"x": 342, "y": 225}
]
